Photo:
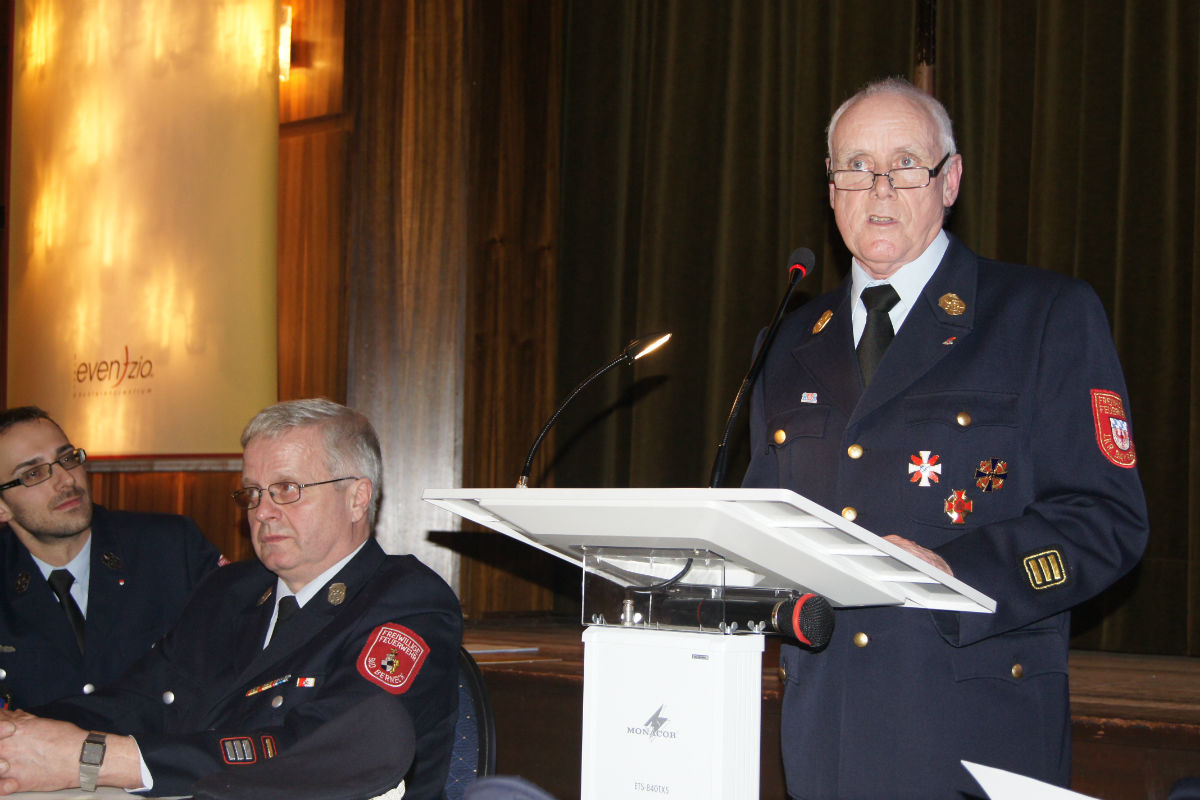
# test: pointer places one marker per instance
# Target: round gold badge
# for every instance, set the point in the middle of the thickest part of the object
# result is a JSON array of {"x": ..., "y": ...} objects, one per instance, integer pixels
[{"x": 952, "y": 304}]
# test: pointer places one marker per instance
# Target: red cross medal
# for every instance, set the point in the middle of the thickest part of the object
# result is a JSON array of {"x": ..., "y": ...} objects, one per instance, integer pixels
[
  {"x": 924, "y": 468},
  {"x": 957, "y": 506},
  {"x": 1112, "y": 428},
  {"x": 992, "y": 474}
]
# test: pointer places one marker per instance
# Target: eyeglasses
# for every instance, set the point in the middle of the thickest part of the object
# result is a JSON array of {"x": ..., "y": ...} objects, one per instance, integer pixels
[
  {"x": 42, "y": 472},
  {"x": 282, "y": 493},
  {"x": 856, "y": 180}
]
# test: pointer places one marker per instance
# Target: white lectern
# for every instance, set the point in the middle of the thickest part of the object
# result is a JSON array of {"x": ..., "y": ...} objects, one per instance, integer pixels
[{"x": 672, "y": 702}]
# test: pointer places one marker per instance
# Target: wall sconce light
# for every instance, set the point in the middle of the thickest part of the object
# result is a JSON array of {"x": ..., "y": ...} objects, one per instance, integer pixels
[{"x": 285, "y": 42}]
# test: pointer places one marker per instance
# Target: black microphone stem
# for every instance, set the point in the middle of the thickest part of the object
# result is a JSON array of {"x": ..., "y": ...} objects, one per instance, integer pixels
[
  {"x": 524, "y": 480},
  {"x": 717, "y": 476},
  {"x": 632, "y": 352}
]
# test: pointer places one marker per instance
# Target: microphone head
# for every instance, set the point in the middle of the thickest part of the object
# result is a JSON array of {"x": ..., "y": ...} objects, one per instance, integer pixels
[
  {"x": 808, "y": 619},
  {"x": 802, "y": 259}
]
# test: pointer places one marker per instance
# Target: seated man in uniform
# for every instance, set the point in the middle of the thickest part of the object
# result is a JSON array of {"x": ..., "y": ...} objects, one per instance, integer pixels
[
  {"x": 88, "y": 590},
  {"x": 269, "y": 650}
]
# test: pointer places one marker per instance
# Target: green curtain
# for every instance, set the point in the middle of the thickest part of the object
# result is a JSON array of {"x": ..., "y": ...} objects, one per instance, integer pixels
[{"x": 693, "y": 140}]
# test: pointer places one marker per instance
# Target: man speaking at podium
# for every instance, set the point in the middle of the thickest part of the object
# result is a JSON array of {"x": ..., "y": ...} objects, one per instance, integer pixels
[{"x": 976, "y": 414}]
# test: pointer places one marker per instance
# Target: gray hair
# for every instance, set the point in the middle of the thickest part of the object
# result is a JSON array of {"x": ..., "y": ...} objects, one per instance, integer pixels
[
  {"x": 351, "y": 444},
  {"x": 935, "y": 110}
]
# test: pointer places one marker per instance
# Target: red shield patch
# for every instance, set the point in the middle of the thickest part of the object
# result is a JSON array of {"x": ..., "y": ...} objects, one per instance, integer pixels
[
  {"x": 1112, "y": 428},
  {"x": 392, "y": 657}
]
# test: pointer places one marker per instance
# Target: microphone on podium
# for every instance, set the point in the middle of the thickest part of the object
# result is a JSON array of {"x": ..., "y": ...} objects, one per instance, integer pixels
[
  {"x": 632, "y": 352},
  {"x": 801, "y": 263},
  {"x": 804, "y": 617}
]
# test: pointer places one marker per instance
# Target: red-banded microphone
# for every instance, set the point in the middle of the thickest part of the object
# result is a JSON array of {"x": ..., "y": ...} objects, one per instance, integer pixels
[
  {"x": 806, "y": 617},
  {"x": 801, "y": 263},
  {"x": 803, "y": 260}
]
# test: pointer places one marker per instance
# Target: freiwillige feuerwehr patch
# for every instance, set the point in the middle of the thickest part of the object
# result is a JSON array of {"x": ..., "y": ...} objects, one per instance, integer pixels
[
  {"x": 392, "y": 657},
  {"x": 1112, "y": 428},
  {"x": 1046, "y": 569}
]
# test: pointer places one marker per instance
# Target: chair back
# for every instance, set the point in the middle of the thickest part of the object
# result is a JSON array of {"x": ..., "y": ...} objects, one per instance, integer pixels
[{"x": 474, "y": 753}]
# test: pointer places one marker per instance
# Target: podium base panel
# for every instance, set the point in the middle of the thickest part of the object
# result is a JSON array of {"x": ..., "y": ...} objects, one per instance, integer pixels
[{"x": 670, "y": 714}]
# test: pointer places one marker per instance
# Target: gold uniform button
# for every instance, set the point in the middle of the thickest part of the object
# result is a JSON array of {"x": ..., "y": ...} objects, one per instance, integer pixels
[
  {"x": 850, "y": 513},
  {"x": 782, "y": 672},
  {"x": 854, "y": 451},
  {"x": 1017, "y": 671},
  {"x": 964, "y": 419},
  {"x": 861, "y": 639},
  {"x": 780, "y": 436},
  {"x": 276, "y": 701}
]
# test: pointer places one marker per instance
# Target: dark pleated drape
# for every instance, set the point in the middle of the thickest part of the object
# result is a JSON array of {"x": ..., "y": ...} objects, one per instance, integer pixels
[{"x": 693, "y": 164}]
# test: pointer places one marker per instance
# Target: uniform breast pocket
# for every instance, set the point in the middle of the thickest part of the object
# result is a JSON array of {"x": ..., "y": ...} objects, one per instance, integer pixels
[
  {"x": 790, "y": 437},
  {"x": 967, "y": 457},
  {"x": 802, "y": 422},
  {"x": 276, "y": 697}
]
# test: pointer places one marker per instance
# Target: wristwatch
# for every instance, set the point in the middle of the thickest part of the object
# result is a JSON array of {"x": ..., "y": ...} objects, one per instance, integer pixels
[{"x": 90, "y": 759}]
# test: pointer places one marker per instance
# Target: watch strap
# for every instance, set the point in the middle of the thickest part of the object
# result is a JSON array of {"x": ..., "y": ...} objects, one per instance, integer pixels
[{"x": 91, "y": 756}]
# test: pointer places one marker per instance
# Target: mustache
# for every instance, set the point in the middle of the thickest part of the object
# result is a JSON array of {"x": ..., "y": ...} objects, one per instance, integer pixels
[{"x": 69, "y": 494}]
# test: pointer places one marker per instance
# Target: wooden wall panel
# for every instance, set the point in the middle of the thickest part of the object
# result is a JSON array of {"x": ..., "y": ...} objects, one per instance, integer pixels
[
  {"x": 511, "y": 300},
  {"x": 312, "y": 275},
  {"x": 204, "y": 496},
  {"x": 408, "y": 254},
  {"x": 316, "y": 85}
]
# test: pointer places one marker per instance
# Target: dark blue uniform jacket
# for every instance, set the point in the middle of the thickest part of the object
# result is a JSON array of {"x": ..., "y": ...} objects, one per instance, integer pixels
[
  {"x": 209, "y": 697},
  {"x": 995, "y": 432},
  {"x": 143, "y": 569}
]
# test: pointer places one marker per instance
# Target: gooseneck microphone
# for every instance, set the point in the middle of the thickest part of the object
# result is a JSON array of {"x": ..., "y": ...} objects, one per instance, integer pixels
[
  {"x": 802, "y": 262},
  {"x": 632, "y": 352}
]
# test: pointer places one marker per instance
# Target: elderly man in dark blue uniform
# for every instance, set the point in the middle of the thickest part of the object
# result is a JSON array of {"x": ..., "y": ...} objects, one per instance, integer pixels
[
  {"x": 122, "y": 577},
  {"x": 974, "y": 413},
  {"x": 268, "y": 651}
]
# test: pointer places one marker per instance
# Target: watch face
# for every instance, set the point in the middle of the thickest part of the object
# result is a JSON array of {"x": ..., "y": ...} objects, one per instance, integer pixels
[{"x": 93, "y": 753}]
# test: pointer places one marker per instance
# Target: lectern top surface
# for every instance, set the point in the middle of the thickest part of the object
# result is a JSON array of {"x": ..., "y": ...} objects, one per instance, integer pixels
[{"x": 769, "y": 538}]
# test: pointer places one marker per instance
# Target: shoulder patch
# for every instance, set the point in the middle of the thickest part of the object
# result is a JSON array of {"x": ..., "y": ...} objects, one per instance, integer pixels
[
  {"x": 392, "y": 657},
  {"x": 1112, "y": 428}
]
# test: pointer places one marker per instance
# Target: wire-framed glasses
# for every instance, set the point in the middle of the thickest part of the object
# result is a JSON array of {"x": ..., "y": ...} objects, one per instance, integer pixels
[
  {"x": 42, "y": 472},
  {"x": 282, "y": 493},
  {"x": 856, "y": 180}
]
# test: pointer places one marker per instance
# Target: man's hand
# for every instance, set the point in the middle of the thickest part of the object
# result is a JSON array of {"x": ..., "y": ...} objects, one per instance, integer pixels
[
  {"x": 43, "y": 755},
  {"x": 926, "y": 555}
]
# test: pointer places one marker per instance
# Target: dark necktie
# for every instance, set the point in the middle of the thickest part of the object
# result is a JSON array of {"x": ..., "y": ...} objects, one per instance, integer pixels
[
  {"x": 287, "y": 607},
  {"x": 878, "y": 333},
  {"x": 60, "y": 584}
]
